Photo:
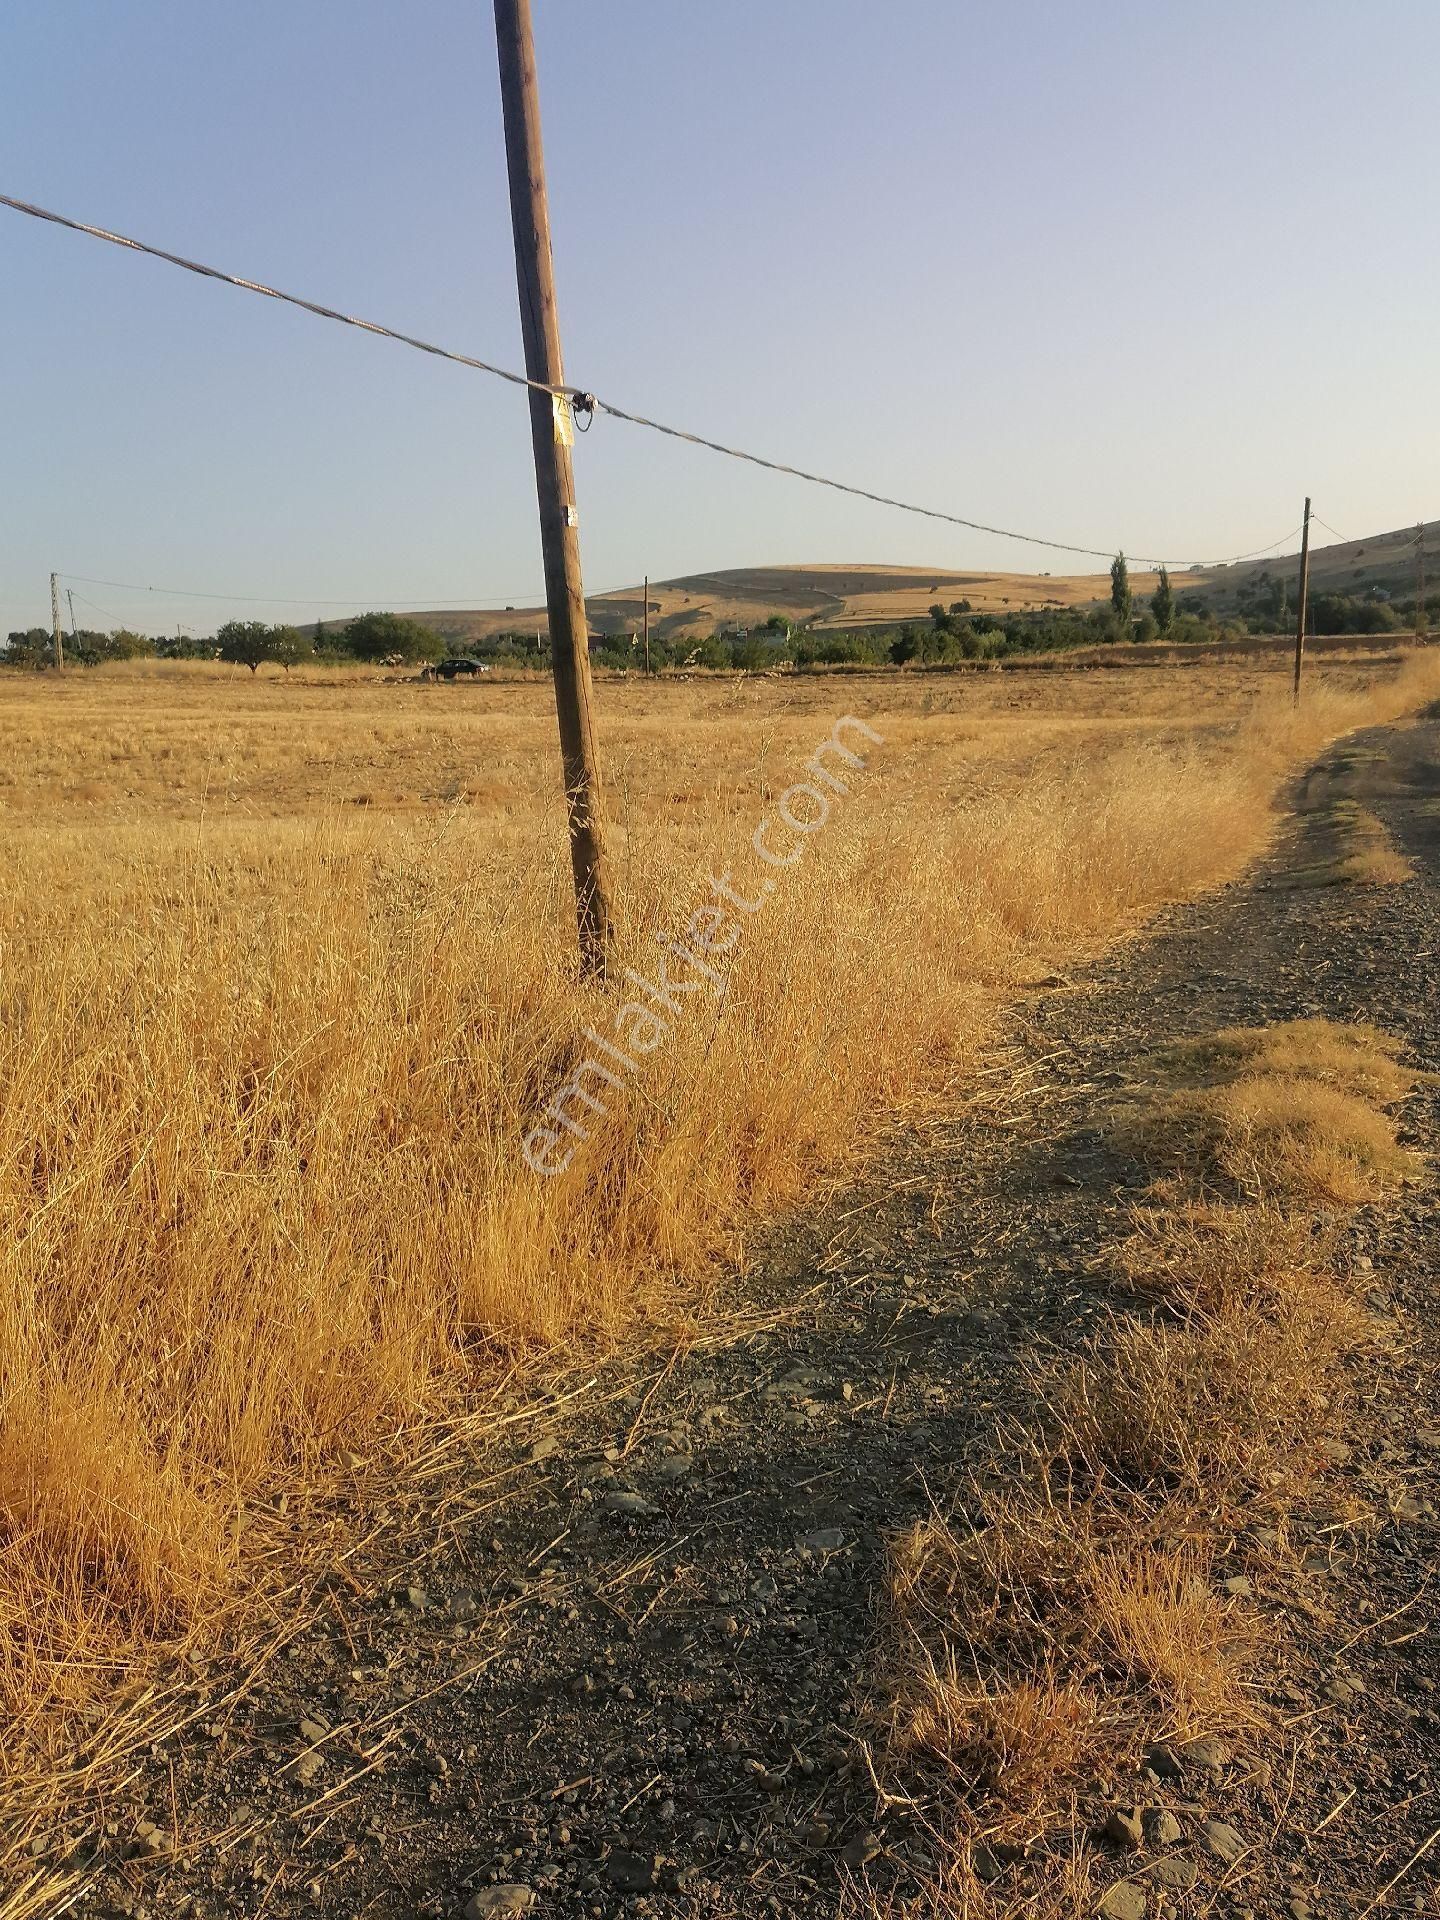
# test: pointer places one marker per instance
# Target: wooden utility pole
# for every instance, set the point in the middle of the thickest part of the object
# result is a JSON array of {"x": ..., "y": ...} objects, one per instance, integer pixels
[
  {"x": 74, "y": 631},
  {"x": 1304, "y": 594},
  {"x": 647, "y": 623},
  {"x": 552, "y": 432},
  {"x": 55, "y": 621},
  {"x": 1422, "y": 623}
]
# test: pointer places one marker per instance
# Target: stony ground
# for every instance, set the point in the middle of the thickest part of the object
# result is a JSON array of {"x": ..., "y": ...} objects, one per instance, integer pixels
[{"x": 617, "y": 1668}]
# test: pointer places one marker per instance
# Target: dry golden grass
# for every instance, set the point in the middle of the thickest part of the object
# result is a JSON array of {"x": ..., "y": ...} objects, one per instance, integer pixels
[
  {"x": 1035, "y": 1640},
  {"x": 1213, "y": 1406},
  {"x": 1037, "y": 1644},
  {"x": 984, "y": 1682},
  {"x": 269, "y": 1053},
  {"x": 1210, "y": 1256},
  {"x": 1354, "y": 849},
  {"x": 1292, "y": 1113},
  {"x": 1279, "y": 1134},
  {"x": 1378, "y": 867},
  {"x": 1351, "y": 1058},
  {"x": 1174, "y": 1636}
]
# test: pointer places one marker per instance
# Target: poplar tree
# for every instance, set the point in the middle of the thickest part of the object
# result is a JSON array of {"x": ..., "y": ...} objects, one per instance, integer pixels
[{"x": 1120, "y": 598}]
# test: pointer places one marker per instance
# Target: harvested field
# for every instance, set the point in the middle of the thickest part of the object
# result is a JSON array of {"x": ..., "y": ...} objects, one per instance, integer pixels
[{"x": 279, "y": 1012}]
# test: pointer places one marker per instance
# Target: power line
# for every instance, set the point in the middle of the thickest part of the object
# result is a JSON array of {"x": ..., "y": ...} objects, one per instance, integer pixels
[
  {"x": 526, "y": 602},
  {"x": 1402, "y": 540},
  {"x": 292, "y": 600},
  {"x": 1256, "y": 552},
  {"x": 85, "y": 601},
  {"x": 1344, "y": 540},
  {"x": 587, "y": 403}
]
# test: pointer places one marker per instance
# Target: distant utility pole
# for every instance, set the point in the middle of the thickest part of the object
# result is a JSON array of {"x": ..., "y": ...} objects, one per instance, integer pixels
[
  {"x": 55, "y": 621},
  {"x": 552, "y": 434},
  {"x": 1422, "y": 623},
  {"x": 647, "y": 623},
  {"x": 74, "y": 635},
  {"x": 1304, "y": 595}
]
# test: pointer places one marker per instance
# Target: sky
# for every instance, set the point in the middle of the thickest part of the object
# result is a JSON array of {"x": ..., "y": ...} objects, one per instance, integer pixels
[{"x": 1121, "y": 274}]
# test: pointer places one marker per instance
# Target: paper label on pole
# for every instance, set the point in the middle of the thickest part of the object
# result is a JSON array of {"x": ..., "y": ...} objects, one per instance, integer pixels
[
  {"x": 564, "y": 420},
  {"x": 572, "y": 518}
]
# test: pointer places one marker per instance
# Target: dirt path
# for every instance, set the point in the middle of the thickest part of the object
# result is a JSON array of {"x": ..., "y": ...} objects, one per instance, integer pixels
[{"x": 620, "y": 1667}]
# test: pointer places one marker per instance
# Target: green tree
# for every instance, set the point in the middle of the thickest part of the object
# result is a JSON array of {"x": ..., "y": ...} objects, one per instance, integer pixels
[
  {"x": 1343, "y": 613},
  {"x": 32, "y": 648},
  {"x": 184, "y": 646},
  {"x": 289, "y": 647},
  {"x": 1121, "y": 600},
  {"x": 1191, "y": 631},
  {"x": 387, "y": 636},
  {"x": 1162, "y": 602},
  {"x": 712, "y": 651},
  {"x": 244, "y": 643},
  {"x": 1264, "y": 600},
  {"x": 124, "y": 644},
  {"x": 907, "y": 645}
]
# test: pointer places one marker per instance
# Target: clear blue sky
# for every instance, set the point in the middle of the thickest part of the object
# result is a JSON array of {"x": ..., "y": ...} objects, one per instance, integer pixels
[{"x": 1118, "y": 273}]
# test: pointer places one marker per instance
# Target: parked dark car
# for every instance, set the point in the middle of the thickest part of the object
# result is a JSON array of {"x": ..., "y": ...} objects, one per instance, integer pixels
[{"x": 461, "y": 667}]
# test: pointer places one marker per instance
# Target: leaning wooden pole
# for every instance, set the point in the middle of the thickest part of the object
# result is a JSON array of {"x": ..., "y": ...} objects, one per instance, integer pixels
[
  {"x": 1304, "y": 594},
  {"x": 55, "y": 621},
  {"x": 552, "y": 431}
]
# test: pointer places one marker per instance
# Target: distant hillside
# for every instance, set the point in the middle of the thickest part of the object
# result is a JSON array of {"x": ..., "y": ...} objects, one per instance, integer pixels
[
  {"x": 823, "y": 598},
  {"x": 1383, "y": 561},
  {"x": 817, "y": 597}
]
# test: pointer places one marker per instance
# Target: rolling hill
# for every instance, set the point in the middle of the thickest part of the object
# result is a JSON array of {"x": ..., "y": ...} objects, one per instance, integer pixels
[
  {"x": 1383, "y": 561},
  {"x": 821, "y": 597}
]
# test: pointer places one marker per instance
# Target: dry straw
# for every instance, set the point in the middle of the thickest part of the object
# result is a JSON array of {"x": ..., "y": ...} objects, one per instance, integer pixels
[{"x": 287, "y": 973}]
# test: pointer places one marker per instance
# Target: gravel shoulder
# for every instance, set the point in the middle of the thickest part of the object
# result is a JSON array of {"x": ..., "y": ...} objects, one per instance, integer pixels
[{"x": 619, "y": 1660}]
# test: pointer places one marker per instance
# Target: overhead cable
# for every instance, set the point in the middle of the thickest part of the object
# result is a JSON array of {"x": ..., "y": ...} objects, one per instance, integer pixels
[{"x": 584, "y": 403}]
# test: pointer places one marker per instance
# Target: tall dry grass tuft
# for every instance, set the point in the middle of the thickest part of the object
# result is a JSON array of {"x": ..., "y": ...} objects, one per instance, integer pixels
[
  {"x": 1175, "y": 1636},
  {"x": 1213, "y": 1406},
  {"x": 267, "y": 1058},
  {"x": 1034, "y": 1640},
  {"x": 1035, "y": 1643},
  {"x": 1354, "y": 850},
  {"x": 1206, "y": 1256},
  {"x": 1292, "y": 1113}
]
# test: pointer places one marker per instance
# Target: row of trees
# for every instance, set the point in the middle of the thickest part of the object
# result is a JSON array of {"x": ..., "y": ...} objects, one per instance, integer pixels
[
  {"x": 35, "y": 647},
  {"x": 949, "y": 637},
  {"x": 954, "y": 633},
  {"x": 376, "y": 638},
  {"x": 1164, "y": 608},
  {"x": 373, "y": 637},
  {"x": 1267, "y": 602}
]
